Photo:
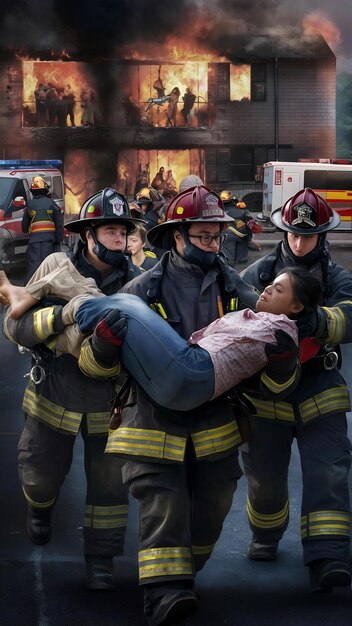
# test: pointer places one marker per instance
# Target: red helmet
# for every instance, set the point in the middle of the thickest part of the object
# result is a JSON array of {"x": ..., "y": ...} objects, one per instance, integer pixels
[
  {"x": 106, "y": 205},
  {"x": 196, "y": 204},
  {"x": 306, "y": 213}
]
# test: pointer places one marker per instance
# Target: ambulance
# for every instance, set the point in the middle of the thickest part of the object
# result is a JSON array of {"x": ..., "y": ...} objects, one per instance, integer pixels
[
  {"x": 15, "y": 182},
  {"x": 331, "y": 179}
]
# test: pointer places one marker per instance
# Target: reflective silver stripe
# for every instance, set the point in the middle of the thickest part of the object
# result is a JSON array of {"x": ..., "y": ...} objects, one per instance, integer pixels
[
  {"x": 216, "y": 440},
  {"x": 147, "y": 443},
  {"x": 334, "y": 400},
  {"x": 158, "y": 562},
  {"x": 320, "y": 523},
  {"x": 105, "y": 516},
  {"x": 267, "y": 520},
  {"x": 39, "y": 505}
]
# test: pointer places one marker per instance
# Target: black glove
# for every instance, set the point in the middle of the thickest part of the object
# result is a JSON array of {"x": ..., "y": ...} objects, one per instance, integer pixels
[
  {"x": 282, "y": 357},
  {"x": 108, "y": 337},
  {"x": 312, "y": 324}
]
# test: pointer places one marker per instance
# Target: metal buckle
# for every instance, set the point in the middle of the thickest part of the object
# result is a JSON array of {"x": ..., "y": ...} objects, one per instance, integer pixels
[
  {"x": 330, "y": 360},
  {"x": 37, "y": 374}
]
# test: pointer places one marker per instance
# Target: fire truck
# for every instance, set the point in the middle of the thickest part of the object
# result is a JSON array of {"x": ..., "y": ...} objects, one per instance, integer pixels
[
  {"x": 15, "y": 181},
  {"x": 331, "y": 179}
]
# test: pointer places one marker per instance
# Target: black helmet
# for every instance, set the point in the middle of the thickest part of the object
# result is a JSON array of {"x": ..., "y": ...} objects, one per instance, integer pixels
[{"x": 106, "y": 205}]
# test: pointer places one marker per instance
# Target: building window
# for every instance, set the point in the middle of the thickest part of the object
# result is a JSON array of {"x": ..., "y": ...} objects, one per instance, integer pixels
[{"x": 258, "y": 82}]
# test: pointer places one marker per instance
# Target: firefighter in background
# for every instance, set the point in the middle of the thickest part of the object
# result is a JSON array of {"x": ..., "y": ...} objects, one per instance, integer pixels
[
  {"x": 43, "y": 220},
  {"x": 314, "y": 414},
  {"x": 67, "y": 402},
  {"x": 183, "y": 466},
  {"x": 239, "y": 233},
  {"x": 151, "y": 204}
]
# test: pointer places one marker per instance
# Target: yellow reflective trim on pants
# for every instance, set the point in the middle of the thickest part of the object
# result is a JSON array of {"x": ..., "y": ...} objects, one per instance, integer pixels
[
  {"x": 203, "y": 550},
  {"x": 336, "y": 324},
  {"x": 267, "y": 520},
  {"x": 147, "y": 443},
  {"x": 273, "y": 410},
  {"x": 335, "y": 400},
  {"x": 157, "y": 562},
  {"x": 105, "y": 516},
  {"x": 215, "y": 440},
  {"x": 320, "y": 523},
  {"x": 39, "y": 505}
]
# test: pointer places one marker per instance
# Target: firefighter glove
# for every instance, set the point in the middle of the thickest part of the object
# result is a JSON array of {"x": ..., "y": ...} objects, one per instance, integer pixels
[
  {"x": 282, "y": 357},
  {"x": 108, "y": 337},
  {"x": 312, "y": 324}
]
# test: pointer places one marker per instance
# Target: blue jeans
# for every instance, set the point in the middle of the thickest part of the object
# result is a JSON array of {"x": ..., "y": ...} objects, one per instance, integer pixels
[{"x": 173, "y": 373}]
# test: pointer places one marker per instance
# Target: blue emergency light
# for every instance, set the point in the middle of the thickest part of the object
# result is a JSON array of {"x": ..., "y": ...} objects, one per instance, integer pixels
[{"x": 17, "y": 164}]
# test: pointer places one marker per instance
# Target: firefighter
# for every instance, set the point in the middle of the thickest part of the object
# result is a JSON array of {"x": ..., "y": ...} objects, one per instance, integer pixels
[
  {"x": 239, "y": 234},
  {"x": 151, "y": 204},
  {"x": 183, "y": 466},
  {"x": 44, "y": 222},
  {"x": 65, "y": 402},
  {"x": 314, "y": 414}
]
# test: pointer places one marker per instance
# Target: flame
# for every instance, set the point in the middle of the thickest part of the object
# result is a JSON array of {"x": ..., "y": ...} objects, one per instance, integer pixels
[
  {"x": 172, "y": 50},
  {"x": 58, "y": 73},
  {"x": 317, "y": 23},
  {"x": 240, "y": 82}
]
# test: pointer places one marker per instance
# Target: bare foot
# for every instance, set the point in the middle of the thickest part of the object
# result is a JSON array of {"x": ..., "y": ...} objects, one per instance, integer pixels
[{"x": 18, "y": 297}]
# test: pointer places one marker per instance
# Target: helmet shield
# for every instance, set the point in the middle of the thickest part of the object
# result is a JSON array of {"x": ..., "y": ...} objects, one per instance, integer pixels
[
  {"x": 196, "y": 204},
  {"x": 306, "y": 213},
  {"x": 106, "y": 205}
]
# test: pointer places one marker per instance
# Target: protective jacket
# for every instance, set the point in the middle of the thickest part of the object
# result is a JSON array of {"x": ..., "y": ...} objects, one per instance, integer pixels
[
  {"x": 315, "y": 414},
  {"x": 43, "y": 220},
  {"x": 320, "y": 392},
  {"x": 65, "y": 403}
]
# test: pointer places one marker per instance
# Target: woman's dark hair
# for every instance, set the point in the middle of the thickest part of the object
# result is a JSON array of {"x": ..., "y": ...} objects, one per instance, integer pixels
[{"x": 306, "y": 287}]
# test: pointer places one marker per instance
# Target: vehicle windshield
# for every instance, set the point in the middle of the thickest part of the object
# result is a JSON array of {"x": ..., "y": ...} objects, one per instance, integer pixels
[{"x": 6, "y": 187}]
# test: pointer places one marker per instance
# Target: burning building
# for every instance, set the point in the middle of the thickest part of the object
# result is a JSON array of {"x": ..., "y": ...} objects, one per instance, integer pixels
[{"x": 152, "y": 118}]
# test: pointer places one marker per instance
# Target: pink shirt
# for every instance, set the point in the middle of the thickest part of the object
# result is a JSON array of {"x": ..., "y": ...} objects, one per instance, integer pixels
[{"x": 236, "y": 344}]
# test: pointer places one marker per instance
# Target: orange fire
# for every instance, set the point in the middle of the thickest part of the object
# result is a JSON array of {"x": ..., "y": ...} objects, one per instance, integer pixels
[{"x": 58, "y": 73}]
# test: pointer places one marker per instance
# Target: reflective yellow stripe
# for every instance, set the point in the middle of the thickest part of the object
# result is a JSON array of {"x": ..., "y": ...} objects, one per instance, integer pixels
[
  {"x": 215, "y": 440},
  {"x": 328, "y": 523},
  {"x": 90, "y": 367},
  {"x": 43, "y": 322},
  {"x": 274, "y": 386},
  {"x": 39, "y": 505},
  {"x": 105, "y": 516},
  {"x": 165, "y": 562},
  {"x": 331, "y": 400},
  {"x": 273, "y": 410},
  {"x": 203, "y": 550},
  {"x": 267, "y": 520},
  {"x": 336, "y": 400},
  {"x": 237, "y": 232},
  {"x": 59, "y": 418},
  {"x": 336, "y": 324},
  {"x": 147, "y": 443}
]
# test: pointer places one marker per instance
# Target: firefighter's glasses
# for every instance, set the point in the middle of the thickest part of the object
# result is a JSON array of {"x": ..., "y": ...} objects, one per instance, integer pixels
[{"x": 207, "y": 240}]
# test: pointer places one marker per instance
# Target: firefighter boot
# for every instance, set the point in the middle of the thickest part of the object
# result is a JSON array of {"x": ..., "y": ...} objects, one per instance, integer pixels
[
  {"x": 325, "y": 574},
  {"x": 262, "y": 550},
  {"x": 39, "y": 524},
  {"x": 166, "y": 605},
  {"x": 100, "y": 573}
]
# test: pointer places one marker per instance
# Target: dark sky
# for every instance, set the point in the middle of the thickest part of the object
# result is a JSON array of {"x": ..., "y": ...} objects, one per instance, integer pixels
[{"x": 99, "y": 27}]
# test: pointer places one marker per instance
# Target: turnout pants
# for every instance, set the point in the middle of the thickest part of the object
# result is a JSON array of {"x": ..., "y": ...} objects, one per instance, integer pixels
[
  {"x": 45, "y": 457},
  {"x": 182, "y": 508},
  {"x": 325, "y": 454}
]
